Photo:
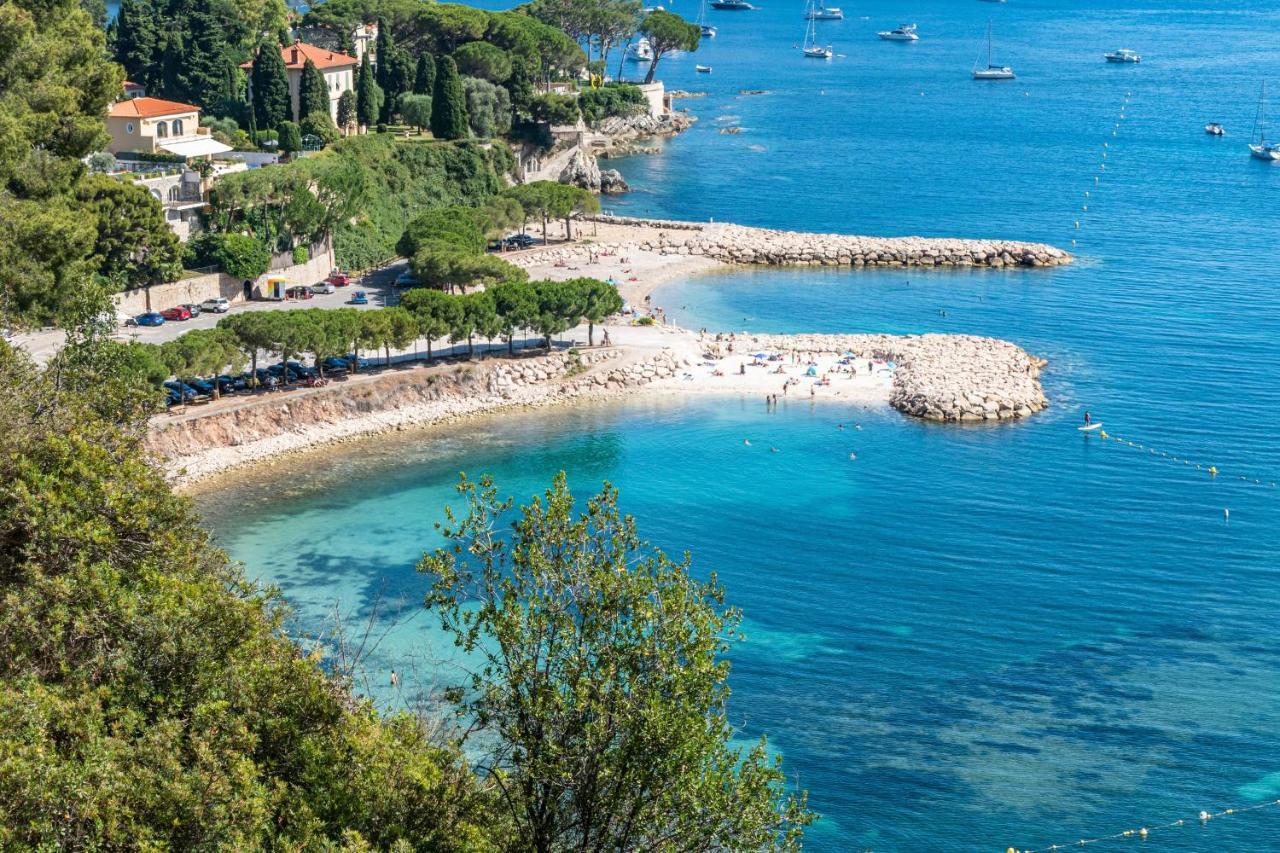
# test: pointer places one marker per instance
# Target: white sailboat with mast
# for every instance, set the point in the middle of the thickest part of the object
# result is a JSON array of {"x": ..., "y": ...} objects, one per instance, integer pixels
[
  {"x": 812, "y": 50},
  {"x": 708, "y": 31},
  {"x": 1261, "y": 148},
  {"x": 992, "y": 71}
]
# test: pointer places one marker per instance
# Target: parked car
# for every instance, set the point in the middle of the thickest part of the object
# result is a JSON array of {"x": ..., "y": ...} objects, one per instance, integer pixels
[
  {"x": 202, "y": 386},
  {"x": 406, "y": 279},
  {"x": 338, "y": 278},
  {"x": 229, "y": 384},
  {"x": 519, "y": 241},
  {"x": 177, "y": 312},
  {"x": 217, "y": 305},
  {"x": 193, "y": 308},
  {"x": 323, "y": 287},
  {"x": 183, "y": 391},
  {"x": 361, "y": 363},
  {"x": 333, "y": 364},
  {"x": 359, "y": 298},
  {"x": 298, "y": 291},
  {"x": 151, "y": 318}
]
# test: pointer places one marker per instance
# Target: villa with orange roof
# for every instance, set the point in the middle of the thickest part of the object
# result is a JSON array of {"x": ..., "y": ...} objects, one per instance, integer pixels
[
  {"x": 338, "y": 70},
  {"x": 156, "y": 126}
]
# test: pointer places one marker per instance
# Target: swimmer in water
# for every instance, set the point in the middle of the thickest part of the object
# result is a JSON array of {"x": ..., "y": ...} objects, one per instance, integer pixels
[
  {"x": 841, "y": 426},
  {"x": 773, "y": 450},
  {"x": 747, "y": 442},
  {"x": 857, "y": 426},
  {"x": 853, "y": 456}
]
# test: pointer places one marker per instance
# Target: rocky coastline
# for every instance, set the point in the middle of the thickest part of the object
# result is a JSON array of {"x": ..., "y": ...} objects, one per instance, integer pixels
[{"x": 946, "y": 378}]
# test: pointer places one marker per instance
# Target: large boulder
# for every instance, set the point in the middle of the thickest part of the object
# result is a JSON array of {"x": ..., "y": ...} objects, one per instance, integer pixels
[
  {"x": 612, "y": 182},
  {"x": 582, "y": 171}
]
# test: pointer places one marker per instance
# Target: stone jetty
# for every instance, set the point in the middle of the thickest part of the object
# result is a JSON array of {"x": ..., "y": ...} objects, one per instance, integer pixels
[
  {"x": 950, "y": 378},
  {"x": 738, "y": 244}
]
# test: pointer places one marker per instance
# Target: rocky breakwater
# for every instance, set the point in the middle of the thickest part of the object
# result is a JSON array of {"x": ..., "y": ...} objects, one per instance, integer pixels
[
  {"x": 950, "y": 378},
  {"x": 737, "y": 244},
  {"x": 203, "y": 442}
]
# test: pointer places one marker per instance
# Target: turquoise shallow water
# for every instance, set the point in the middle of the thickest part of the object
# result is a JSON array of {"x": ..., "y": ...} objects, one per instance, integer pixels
[{"x": 967, "y": 638}]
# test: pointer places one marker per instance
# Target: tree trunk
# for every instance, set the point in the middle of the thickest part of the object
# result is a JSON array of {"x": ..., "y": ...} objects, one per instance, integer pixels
[
  {"x": 511, "y": 343},
  {"x": 544, "y": 228},
  {"x": 428, "y": 347},
  {"x": 471, "y": 349},
  {"x": 591, "y": 334},
  {"x": 568, "y": 228},
  {"x": 253, "y": 377},
  {"x": 653, "y": 67}
]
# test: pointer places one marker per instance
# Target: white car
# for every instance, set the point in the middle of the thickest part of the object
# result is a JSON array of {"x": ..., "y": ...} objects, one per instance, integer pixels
[
  {"x": 323, "y": 287},
  {"x": 217, "y": 305}
]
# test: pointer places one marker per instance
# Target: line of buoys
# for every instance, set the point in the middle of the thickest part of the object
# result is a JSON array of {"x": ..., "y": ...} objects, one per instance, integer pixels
[
  {"x": 1102, "y": 167},
  {"x": 1145, "y": 831},
  {"x": 1212, "y": 470}
]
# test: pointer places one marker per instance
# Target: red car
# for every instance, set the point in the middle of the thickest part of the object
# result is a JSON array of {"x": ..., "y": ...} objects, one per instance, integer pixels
[
  {"x": 301, "y": 291},
  {"x": 338, "y": 279},
  {"x": 176, "y": 313}
]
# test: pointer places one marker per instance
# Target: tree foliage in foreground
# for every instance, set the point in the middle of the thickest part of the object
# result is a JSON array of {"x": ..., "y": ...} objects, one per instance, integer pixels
[
  {"x": 149, "y": 698},
  {"x": 601, "y": 689}
]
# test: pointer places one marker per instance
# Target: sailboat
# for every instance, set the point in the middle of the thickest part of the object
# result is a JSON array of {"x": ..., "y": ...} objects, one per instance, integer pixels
[
  {"x": 992, "y": 71},
  {"x": 708, "y": 32},
  {"x": 811, "y": 48},
  {"x": 1263, "y": 150}
]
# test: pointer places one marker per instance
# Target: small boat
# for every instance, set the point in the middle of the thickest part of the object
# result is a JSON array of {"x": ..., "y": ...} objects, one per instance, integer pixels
[
  {"x": 732, "y": 5},
  {"x": 702, "y": 69},
  {"x": 1261, "y": 148},
  {"x": 1122, "y": 55},
  {"x": 992, "y": 71},
  {"x": 906, "y": 32},
  {"x": 822, "y": 12},
  {"x": 1215, "y": 129},
  {"x": 640, "y": 51},
  {"x": 708, "y": 32}
]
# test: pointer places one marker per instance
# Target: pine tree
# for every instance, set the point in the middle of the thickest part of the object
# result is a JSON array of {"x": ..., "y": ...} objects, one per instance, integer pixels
[
  {"x": 449, "y": 104},
  {"x": 368, "y": 95},
  {"x": 313, "y": 92},
  {"x": 520, "y": 87},
  {"x": 346, "y": 43},
  {"x": 270, "y": 83},
  {"x": 424, "y": 76},
  {"x": 138, "y": 42}
]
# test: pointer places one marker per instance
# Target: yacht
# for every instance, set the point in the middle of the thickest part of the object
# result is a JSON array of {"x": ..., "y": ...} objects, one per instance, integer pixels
[
  {"x": 906, "y": 32},
  {"x": 812, "y": 50},
  {"x": 1122, "y": 55},
  {"x": 1215, "y": 129},
  {"x": 702, "y": 69},
  {"x": 708, "y": 32},
  {"x": 732, "y": 5},
  {"x": 822, "y": 12},
  {"x": 992, "y": 71},
  {"x": 1261, "y": 148},
  {"x": 640, "y": 51}
]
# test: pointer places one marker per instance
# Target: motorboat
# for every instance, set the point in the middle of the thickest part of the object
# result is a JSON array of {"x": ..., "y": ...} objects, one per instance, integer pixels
[
  {"x": 708, "y": 32},
  {"x": 702, "y": 69},
  {"x": 1260, "y": 148},
  {"x": 822, "y": 12},
  {"x": 1122, "y": 55},
  {"x": 906, "y": 32},
  {"x": 732, "y": 5},
  {"x": 1215, "y": 129},
  {"x": 991, "y": 71},
  {"x": 640, "y": 51}
]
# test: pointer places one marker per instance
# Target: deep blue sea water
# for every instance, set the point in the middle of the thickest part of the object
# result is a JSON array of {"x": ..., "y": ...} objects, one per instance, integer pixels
[{"x": 968, "y": 638}]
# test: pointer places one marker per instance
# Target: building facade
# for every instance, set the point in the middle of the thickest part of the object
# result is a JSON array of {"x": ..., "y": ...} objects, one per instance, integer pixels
[
  {"x": 338, "y": 70},
  {"x": 154, "y": 126}
]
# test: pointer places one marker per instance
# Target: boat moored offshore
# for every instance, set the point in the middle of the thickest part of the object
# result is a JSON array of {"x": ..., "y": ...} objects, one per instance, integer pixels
[
  {"x": 992, "y": 71},
  {"x": 1122, "y": 55},
  {"x": 732, "y": 5},
  {"x": 822, "y": 12},
  {"x": 1260, "y": 148},
  {"x": 906, "y": 32},
  {"x": 1215, "y": 129}
]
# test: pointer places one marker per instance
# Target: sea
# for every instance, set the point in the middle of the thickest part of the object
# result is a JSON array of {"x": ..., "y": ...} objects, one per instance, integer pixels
[{"x": 967, "y": 638}]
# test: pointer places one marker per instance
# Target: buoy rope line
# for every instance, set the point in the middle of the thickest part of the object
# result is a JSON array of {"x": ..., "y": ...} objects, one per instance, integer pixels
[
  {"x": 1212, "y": 470},
  {"x": 1102, "y": 168},
  {"x": 1143, "y": 832}
]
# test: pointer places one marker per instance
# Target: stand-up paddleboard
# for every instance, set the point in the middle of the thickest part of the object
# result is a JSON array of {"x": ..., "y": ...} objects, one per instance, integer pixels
[{"x": 1090, "y": 427}]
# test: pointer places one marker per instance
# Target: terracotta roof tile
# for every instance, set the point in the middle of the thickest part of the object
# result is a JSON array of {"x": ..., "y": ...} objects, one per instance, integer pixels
[
  {"x": 149, "y": 108},
  {"x": 296, "y": 55}
]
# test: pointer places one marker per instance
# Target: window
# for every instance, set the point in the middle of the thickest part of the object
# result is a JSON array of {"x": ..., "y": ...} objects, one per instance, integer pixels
[
  {"x": 177, "y": 127},
  {"x": 162, "y": 130},
  {"x": 128, "y": 128},
  {"x": 174, "y": 193}
]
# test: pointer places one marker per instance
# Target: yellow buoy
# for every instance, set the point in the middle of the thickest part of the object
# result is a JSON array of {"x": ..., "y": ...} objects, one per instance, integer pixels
[{"x": 1213, "y": 471}]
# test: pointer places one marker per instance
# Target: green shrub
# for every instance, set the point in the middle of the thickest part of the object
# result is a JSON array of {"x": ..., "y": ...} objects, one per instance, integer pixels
[
  {"x": 614, "y": 99},
  {"x": 301, "y": 254},
  {"x": 238, "y": 255}
]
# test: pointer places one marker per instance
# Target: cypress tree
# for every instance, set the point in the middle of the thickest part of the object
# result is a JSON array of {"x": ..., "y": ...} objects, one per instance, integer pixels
[
  {"x": 346, "y": 110},
  {"x": 449, "y": 104},
  {"x": 200, "y": 76},
  {"x": 395, "y": 75},
  {"x": 424, "y": 76},
  {"x": 138, "y": 42},
  {"x": 368, "y": 95},
  {"x": 313, "y": 92},
  {"x": 270, "y": 82}
]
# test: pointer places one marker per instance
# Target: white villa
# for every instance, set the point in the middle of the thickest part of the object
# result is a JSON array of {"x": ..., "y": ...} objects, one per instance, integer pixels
[
  {"x": 338, "y": 70},
  {"x": 155, "y": 126}
]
